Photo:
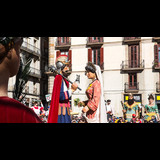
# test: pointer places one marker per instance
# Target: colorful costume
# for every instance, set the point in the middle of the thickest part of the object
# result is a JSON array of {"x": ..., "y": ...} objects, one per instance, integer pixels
[
  {"x": 13, "y": 111},
  {"x": 95, "y": 103},
  {"x": 60, "y": 105},
  {"x": 130, "y": 110},
  {"x": 93, "y": 93},
  {"x": 152, "y": 111}
]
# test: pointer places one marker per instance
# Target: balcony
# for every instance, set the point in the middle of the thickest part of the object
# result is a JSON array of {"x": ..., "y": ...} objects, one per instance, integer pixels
[
  {"x": 35, "y": 72},
  {"x": 26, "y": 90},
  {"x": 129, "y": 66},
  {"x": 30, "y": 49},
  {"x": 131, "y": 88},
  {"x": 33, "y": 92},
  {"x": 131, "y": 40},
  {"x": 95, "y": 41},
  {"x": 63, "y": 44}
]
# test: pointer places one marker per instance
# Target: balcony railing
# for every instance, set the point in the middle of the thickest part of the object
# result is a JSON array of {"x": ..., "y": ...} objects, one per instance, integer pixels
[
  {"x": 35, "y": 72},
  {"x": 131, "y": 87},
  {"x": 131, "y": 39},
  {"x": 30, "y": 49},
  {"x": 63, "y": 44},
  {"x": 130, "y": 65},
  {"x": 26, "y": 90},
  {"x": 94, "y": 42},
  {"x": 35, "y": 91},
  {"x": 31, "y": 92}
]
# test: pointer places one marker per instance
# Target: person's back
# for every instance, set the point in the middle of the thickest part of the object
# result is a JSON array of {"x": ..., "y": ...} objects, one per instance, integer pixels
[{"x": 12, "y": 111}]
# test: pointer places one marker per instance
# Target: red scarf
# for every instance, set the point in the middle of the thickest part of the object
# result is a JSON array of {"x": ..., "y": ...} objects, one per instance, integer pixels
[{"x": 53, "y": 113}]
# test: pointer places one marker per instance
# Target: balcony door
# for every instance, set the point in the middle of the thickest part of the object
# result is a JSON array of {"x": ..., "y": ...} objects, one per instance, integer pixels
[
  {"x": 96, "y": 56},
  {"x": 134, "y": 56}
]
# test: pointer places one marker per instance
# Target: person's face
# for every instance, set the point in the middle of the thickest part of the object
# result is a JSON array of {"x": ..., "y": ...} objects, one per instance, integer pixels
[
  {"x": 151, "y": 101},
  {"x": 66, "y": 68},
  {"x": 14, "y": 59},
  {"x": 130, "y": 97},
  {"x": 90, "y": 75}
]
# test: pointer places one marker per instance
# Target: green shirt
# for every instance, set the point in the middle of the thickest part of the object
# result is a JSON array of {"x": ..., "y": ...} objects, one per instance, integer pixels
[{"x": 151, "y": 108}]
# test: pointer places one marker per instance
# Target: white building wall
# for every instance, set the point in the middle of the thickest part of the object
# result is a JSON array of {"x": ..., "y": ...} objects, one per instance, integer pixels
[{"x": 114, "y": 53}]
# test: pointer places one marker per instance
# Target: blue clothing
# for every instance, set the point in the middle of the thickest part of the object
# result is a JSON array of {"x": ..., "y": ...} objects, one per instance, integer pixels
[
  {"x": 64, "y": 105},
  {"x": 64, "y": 118},
  {"x": 62, "y": 93}
]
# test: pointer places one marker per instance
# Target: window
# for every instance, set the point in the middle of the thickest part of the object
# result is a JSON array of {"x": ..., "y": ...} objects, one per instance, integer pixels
[
  {"x": 134, "y": 56},
  {"x": 63, "y": 39},
  {"x": 132, "y": 81},
  {"x": 95, "y": 55}
]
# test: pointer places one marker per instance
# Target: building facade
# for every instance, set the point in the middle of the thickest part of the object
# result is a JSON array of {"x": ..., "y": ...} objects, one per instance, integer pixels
[
  {"x": 128, "y": 64},
  {"x": 37, "y": 86}
]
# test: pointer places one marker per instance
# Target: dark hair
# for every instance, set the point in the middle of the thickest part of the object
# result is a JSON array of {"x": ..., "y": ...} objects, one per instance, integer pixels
[
  {"x": 151, "y": 97},
  {"x": 90, "y": 67}
]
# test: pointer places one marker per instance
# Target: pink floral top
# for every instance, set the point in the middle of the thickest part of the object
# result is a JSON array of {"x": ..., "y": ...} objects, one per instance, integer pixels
[{"x": 93, "y": 93}]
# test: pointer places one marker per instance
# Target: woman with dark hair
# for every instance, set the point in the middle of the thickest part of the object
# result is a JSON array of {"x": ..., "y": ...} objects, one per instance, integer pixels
[
  {"x": 151, "y": 109},
  {"x": 94, "y": 107}
]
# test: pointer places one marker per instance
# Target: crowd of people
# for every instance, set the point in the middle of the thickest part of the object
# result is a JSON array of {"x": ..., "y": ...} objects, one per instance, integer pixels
[
  {"x": 150, "y": 116},
  {"x": 132, "y": 113},
  {"x": 38, "y": 108},
  {"x": 43, "y": 115}
]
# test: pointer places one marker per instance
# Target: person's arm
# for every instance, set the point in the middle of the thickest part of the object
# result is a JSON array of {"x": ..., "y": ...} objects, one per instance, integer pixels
[{"x": 64, "y": 95}]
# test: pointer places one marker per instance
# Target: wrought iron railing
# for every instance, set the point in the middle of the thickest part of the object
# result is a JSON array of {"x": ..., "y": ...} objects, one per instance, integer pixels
[
  {"x": 90, "y": 40},
  {"x": 131, "y": 38},
  {"x": 130, "y": 64},
  {"x": 30, "y": 48},
  {"x": 67, "y": 42},
  {"x": 131, "y": 86}
]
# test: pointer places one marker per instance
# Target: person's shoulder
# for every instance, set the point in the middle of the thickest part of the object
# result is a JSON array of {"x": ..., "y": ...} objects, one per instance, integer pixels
[
  {"x": 146, "y": 105},
  {"x": 58, "y": 77},
  {"x": 97, "y": 82},
  {"x": 19, "y": 107}
]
